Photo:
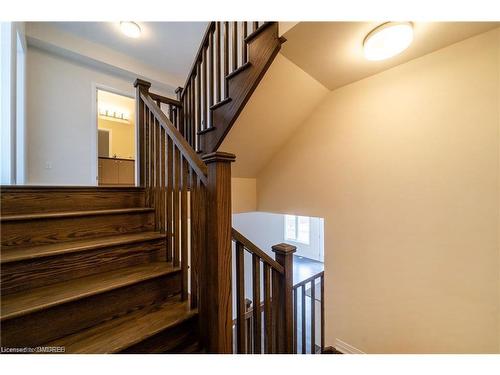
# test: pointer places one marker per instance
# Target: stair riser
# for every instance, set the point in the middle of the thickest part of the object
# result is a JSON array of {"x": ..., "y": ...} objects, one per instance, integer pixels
[
  {"x": 52, "y": 323},
  {"x": 178, "y": 339},
  {"x": 23, "y": 233},
  {"x": 23, "y": 275},
  {"x": 38, "y": 200}
]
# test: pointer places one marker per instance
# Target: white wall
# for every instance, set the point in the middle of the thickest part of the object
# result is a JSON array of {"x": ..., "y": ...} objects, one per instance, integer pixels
[
  {"x": 12, "y": 102},
  {"x": 404, "y": 167},
  {"x": 60, "y": 121}
]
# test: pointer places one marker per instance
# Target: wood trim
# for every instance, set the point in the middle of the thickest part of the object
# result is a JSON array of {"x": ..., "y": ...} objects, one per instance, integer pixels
[
  {"x": 261, "y": 53},
  {"x": 252, "y": 248},
  {"x": 235, "y": 72},
  {"x": 260, "y": 29}
]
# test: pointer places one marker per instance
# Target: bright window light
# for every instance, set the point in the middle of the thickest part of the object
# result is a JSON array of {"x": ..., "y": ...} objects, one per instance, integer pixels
[
  {"x": 297, "y": 229},
  {"x": 388, "y": 40},
  {"x": 130, "y": 29}
]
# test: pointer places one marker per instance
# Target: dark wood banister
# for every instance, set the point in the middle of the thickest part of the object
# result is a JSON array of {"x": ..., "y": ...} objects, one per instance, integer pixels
[
  {"x": 164, "y": 99},
  {"x": 308, "y": 280},
  {"x": 252, "y": 248},
  {"x": 193, "y": 159},
  {"x": 203, "y": 44},
  {"x": 196, "y": 123}
]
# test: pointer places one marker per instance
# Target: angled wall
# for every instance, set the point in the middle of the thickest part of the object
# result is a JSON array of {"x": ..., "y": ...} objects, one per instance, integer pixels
[{"x": 404, "y": 167}]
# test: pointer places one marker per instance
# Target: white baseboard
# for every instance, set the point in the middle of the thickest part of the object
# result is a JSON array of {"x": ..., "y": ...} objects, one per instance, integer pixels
[{"x": 345, "y": 348}]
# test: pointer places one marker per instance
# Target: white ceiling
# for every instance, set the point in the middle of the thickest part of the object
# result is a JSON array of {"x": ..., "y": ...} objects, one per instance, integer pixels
[
  {"x": 170, "y": 46},
  {"x": 332, "y": 52}
]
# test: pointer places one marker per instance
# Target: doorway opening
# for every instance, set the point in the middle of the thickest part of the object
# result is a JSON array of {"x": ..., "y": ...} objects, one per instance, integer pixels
[{"x": 116, "y": 139}]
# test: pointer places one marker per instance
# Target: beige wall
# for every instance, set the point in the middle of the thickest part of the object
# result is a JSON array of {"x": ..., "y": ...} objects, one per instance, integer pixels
[
  {"x": 122, "y": 138},
  {"x": 404, "y": 167},
  {"x": 265, "y": 124},
  {"x": 243, "y": 195}
]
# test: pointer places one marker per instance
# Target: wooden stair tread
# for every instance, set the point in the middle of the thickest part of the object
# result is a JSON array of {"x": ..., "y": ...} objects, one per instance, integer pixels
[
  {"x": 120, "y": 333},
  {"x": 22, "y": 303},
  {"x": 70, "y": 214},
  {"x": 42, "y": 251}
]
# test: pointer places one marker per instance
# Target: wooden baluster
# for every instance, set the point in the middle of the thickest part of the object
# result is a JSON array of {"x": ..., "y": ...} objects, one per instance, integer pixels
[
  {"x": 255, "y": 26},
  {"x": 184, "y": 222},
  {"x": 240, "y": 299},
  {"x": 151, "y": 159},
  {"x": 313, "y": 316},
  {"x": 284, "y": 256},
  {"x": 203, "y": 124},
  {"x": 176, "y": 189},
  {"x": 235, "y": 46},
  {"x": 225, "y": 57},
  {"x": 268, "y": 332},
  {"x": 257, "y": 326},
  {"x": 146, "y": 155},
  {"x": 322, "y": 281},
  {"x": 194, "y": 207},
  {"x": 162, "y": 180},
  {"x": 141, "y": 87},
  {"x": 218, "y": 270},
  {"x": 295, "y": 318},
  {"x": 303, "y": 292},
  {"x": 149, "y": 168},
  {"x": 210, "y": 79},
  {"x": 203, "y": 290},
  {"x": 218, "y": 62},
  {"x": 180, "y": 111},
  {"x": 169, "y": 197},
  {"x": 157, "y": 172},
  {"x": 277, "y": 314},
  {"x": 192, "y": 128},
  {"x": 189, "y": 114},
  {"x": 243, "y": 43},
  {"x": 248, "y": 326},
  {"x": 198, "y": 105}
]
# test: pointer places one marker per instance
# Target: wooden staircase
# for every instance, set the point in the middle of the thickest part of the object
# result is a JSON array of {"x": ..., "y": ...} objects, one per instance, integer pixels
[
  {"x": 84, "y": 269},
  {"x": 149, "y": 269}
]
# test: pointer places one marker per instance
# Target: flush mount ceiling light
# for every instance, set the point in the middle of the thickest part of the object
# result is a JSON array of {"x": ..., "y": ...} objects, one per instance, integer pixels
[
  {"x": 387, "y": 40},
  {"x": 130, "y": 29}
]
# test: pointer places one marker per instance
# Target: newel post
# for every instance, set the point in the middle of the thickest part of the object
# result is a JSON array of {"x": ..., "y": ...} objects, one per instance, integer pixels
[
  {"x": 140, "y": 86},
  {"x": 215, "y": 291},
  {"x": 284, "y": 256}
]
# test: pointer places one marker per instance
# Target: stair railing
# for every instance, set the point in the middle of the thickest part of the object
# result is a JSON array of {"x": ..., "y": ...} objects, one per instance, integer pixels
[
  {"x": 192, "y": 201},
  {"x": 272, "y": 314},
  {"x": 316, "y": 301},
  {"x": 192, "y": 195},
  {"x": 231, "y": 60}
]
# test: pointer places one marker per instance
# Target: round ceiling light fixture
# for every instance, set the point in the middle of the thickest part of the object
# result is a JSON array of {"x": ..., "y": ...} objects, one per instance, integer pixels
[
  {"x": 130, "y": 29},
  {"x": 387, "y": 40}
]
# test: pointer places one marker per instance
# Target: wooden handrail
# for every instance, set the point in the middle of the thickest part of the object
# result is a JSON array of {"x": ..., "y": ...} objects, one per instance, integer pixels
[
  {"x": 309, "y": 279},
  {"x": 193, "y": 159},
  {"x": 252, "y": 248},
  {"x": 164, "y": 99}
]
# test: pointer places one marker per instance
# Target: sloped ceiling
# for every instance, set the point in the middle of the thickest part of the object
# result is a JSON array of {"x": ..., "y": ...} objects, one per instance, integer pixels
[
  {"x": 282, "y": 101},
  {"x": 332, "y": 52}
]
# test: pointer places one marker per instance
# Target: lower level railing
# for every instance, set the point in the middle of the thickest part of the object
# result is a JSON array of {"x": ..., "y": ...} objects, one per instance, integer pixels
[
  {"x": 287, "y": 318},
  {"x": 309, "y": 315}
]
